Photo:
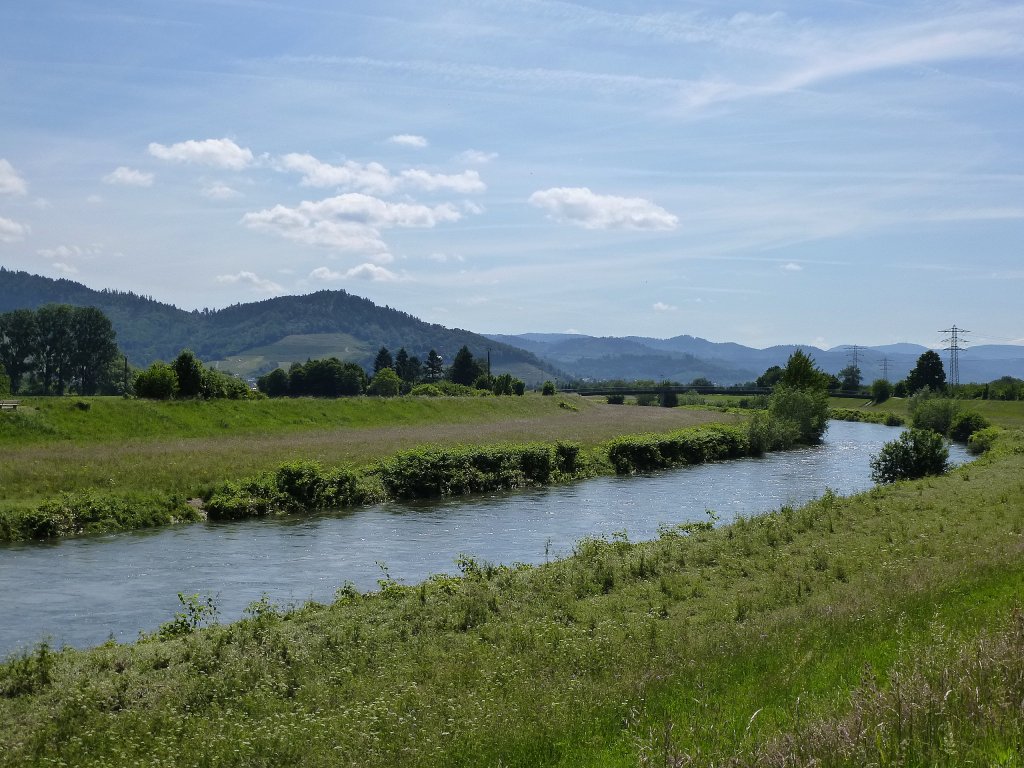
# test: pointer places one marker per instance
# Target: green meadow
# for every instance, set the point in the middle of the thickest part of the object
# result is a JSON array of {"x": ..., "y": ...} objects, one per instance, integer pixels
[{"x": 880, "y": 629}]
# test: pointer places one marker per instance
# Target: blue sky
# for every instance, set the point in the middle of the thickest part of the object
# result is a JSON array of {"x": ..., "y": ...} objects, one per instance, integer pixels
[{"x": 796, "y": 172}]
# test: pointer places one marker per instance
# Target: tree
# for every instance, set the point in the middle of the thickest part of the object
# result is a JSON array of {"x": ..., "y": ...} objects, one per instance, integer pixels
[
  {"x": 189, "y": 371},
  {"x": 273, "y": 384},
  {"x": 386, "y": 383},
  {"x": 881, "y": 390},
  {"x": 382, "y": 361},
  {"x": 5, "y": 382},
  {"x": 464, "y": 368},
  {"x": 770, "y": 377},
  {"x": 19, "y": 340},
  {"x": 914, "y": 454},
  {"x": 702, "y": 381},
  {"x": 850, "y": 378},
  {"x": 55, "y": 348},
  {"x": 927, "y": 373},
  {"x": 548, "y": 389},
  {"x": 407, "y": 368},
  {"x": 801, "y": 411},
  {"x": 667, "y": 397},
  {"x": 158, "y": 382},
  {"x": 94, "y": 349},
  {"x": 801, "y": 373},
  {"x": 434, "y": 366}
]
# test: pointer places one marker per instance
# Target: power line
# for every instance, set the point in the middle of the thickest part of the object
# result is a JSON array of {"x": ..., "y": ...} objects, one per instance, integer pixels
[
  {"x": 954, "y": 340},
  {"x": 855, "y": 352}
]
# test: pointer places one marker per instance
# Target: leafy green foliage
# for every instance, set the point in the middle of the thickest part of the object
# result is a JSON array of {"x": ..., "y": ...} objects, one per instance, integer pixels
[
  {"x": 806, "y": 409},
  {"x": 298, "y": 486},
  {"x": 928, "y": 373},
  {"x": 386, "y": 383},
  {"x": 881, "y": 390},
  {"x": 802, "y": 373},
  {"x": 697, "y": 445},
  {"x": 189, "y": 372},
  {"x": 965, "y": 424},
  {"x": 158, "y": 382},
  {"x": 929, "y": 410},
  {"x": 548, "y": 388},
  {"x": 983, "y": 439},
  {"x": 914, "y": 454},
  {"x": 872, "y": 417}
]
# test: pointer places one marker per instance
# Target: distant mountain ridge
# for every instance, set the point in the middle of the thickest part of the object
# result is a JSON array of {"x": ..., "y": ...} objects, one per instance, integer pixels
[
  {"x": 149, "y": 330},
  {"x": 684, "y": 358},
  {"x": 254, "y": 337}
]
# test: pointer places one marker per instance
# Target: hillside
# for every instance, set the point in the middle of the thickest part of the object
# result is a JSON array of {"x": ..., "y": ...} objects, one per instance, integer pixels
[{"x": 256, "y": 337}]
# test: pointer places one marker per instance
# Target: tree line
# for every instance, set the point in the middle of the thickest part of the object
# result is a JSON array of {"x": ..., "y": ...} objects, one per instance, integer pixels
[
  {"x": 59, "y": 348},
  {"x": 393, "y": 375}
]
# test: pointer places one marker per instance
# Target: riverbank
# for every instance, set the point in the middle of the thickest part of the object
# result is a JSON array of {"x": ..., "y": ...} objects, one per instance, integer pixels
[
  {"x": 711, "y": 644},
  {"x": 160, "y": 455}
]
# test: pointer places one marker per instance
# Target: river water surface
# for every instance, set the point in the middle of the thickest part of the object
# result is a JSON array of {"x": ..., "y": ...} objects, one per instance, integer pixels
[{"x": 81, "y": 592}]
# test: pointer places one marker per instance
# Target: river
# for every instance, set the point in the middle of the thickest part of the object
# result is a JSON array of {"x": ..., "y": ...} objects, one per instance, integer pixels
[{"x": 83, "y": 591}]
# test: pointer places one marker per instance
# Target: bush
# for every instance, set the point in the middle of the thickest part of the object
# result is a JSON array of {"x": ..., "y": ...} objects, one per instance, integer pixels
[
  {"x": 965, "y": 424},
  {"x": 928, "y": 411},
  {"x": 805, "y": 409},
  {"x": 667, "y": 398},
  {"x": 646, "y": 453},
  {"x": 297, "y": 486},
  {"x": 914, "y": 454},
  {"x": 548, "y": 388},
  {"x": 385, "y": 384},
  {"x": 616, "y": 399},
  {"x": 426, "y": 390},
  {"x": 158, "y": 382},
  {"x": 765, "y": 433},
  {"x": 982, "y": 440},
  {"x": 646, "y": 399},
  {"x": 881, "y": 390}
]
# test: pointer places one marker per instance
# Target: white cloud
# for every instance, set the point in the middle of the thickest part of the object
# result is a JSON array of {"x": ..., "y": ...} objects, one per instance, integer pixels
[
  {"x": 69, "y": 252},
  {"x": 465, "y": 183},
  {"x": 372, "y": 177},
  {"x": 660, "y": 306},
  {"x": 580, "y": 206},
  {"x": 12, "y": 231},
  {"x": 445, "y": 258},
  {"x": 67, "y": 269},
  {"x": 219, "y": 191},
  {"x": 373, "y": 272},
  {"x": 94, "y": 199},
  {"x": 251, "y": 279},
  {"x": 219, "y": 153},
  {"x": 476, "y": 157},
  {"x": 409, "y": 140},
  {"x": 128, "y": 177},
  {"x": 350, "y": 222},
  {"x": 792, "y": 267},
  {"x": 10, "y": 182}
]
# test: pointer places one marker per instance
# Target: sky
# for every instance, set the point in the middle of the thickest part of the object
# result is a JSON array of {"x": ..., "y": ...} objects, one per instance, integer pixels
[{"x": 792, "y": 172}]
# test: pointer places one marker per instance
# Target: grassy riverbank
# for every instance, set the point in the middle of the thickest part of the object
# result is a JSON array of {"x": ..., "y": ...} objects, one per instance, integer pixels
[
  {"x": 53, "y": 445},
  {"x": 880, "y": 626}
]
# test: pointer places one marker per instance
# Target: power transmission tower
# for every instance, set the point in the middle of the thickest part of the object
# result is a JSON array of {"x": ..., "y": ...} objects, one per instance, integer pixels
[
  {"x": 954, "y": 340},
  {"x": 855, "y": 352},
  {"x": 885, "y": 368}
]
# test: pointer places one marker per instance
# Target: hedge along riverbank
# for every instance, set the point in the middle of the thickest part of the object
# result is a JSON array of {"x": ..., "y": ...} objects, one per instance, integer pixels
[
  {"x": 307, "y": 486},
  {"x": 852, "y": 414}
]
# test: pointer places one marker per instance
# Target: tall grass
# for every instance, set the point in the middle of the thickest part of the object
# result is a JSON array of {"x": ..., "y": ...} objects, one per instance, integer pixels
[{"x": 707, "y": 646}]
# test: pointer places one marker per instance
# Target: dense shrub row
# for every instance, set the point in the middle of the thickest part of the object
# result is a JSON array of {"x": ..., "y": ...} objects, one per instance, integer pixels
[
  {"x": 293, "y": 487},
  {"x": 851, "y": 414},
  {"x": 645, "y": 453},
  {"x": 455, "y": 471},
  {"x": 72, "y": 514}
]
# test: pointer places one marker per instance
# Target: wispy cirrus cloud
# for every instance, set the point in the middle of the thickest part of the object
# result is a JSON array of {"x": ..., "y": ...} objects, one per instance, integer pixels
[
  {"x": 580, "y": 206},
  {"x": 217, "y": 153},
  {"x": 124, "y": 176},
  {"x": 11, "y": 182}
]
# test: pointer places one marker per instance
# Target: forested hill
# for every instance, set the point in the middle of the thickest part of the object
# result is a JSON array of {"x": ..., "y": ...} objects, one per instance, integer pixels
[{"x": 149, "y": 330}]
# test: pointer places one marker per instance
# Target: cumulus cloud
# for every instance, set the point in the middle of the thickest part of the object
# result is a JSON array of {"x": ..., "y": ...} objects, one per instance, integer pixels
[
  {"x": 219, "y": 153},
  {"x": 128, "y": 177},
  {"x": 792, "y": 267},
  {"x": 350, "y": 222},
  {"x": 366, "y": 271},
  {"x": 252, "y": 280},
  {"x": 476, "y": 157},
  {"x": 464, "y": 183},
  {"x": 374, "y": 178},
  {"x": 12, "y": 231},
  {"x": 580, "y": 206},
  {"x": 219, "y": 191},
  {"x": 660, "y": 306},
  {"x": 67, "y": 269},
  {"x": 10, "y": 182},
  {"x": 409, "y": 140}
]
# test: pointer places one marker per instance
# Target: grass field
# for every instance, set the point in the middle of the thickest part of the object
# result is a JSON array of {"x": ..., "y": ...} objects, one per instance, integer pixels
[
  {"x": 881, "y": 629},
  {"x": 54, "y": 444}
]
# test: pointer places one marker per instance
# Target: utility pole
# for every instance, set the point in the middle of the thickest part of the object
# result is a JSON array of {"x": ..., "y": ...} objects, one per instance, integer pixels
[{"x": 954, "y": 340}]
